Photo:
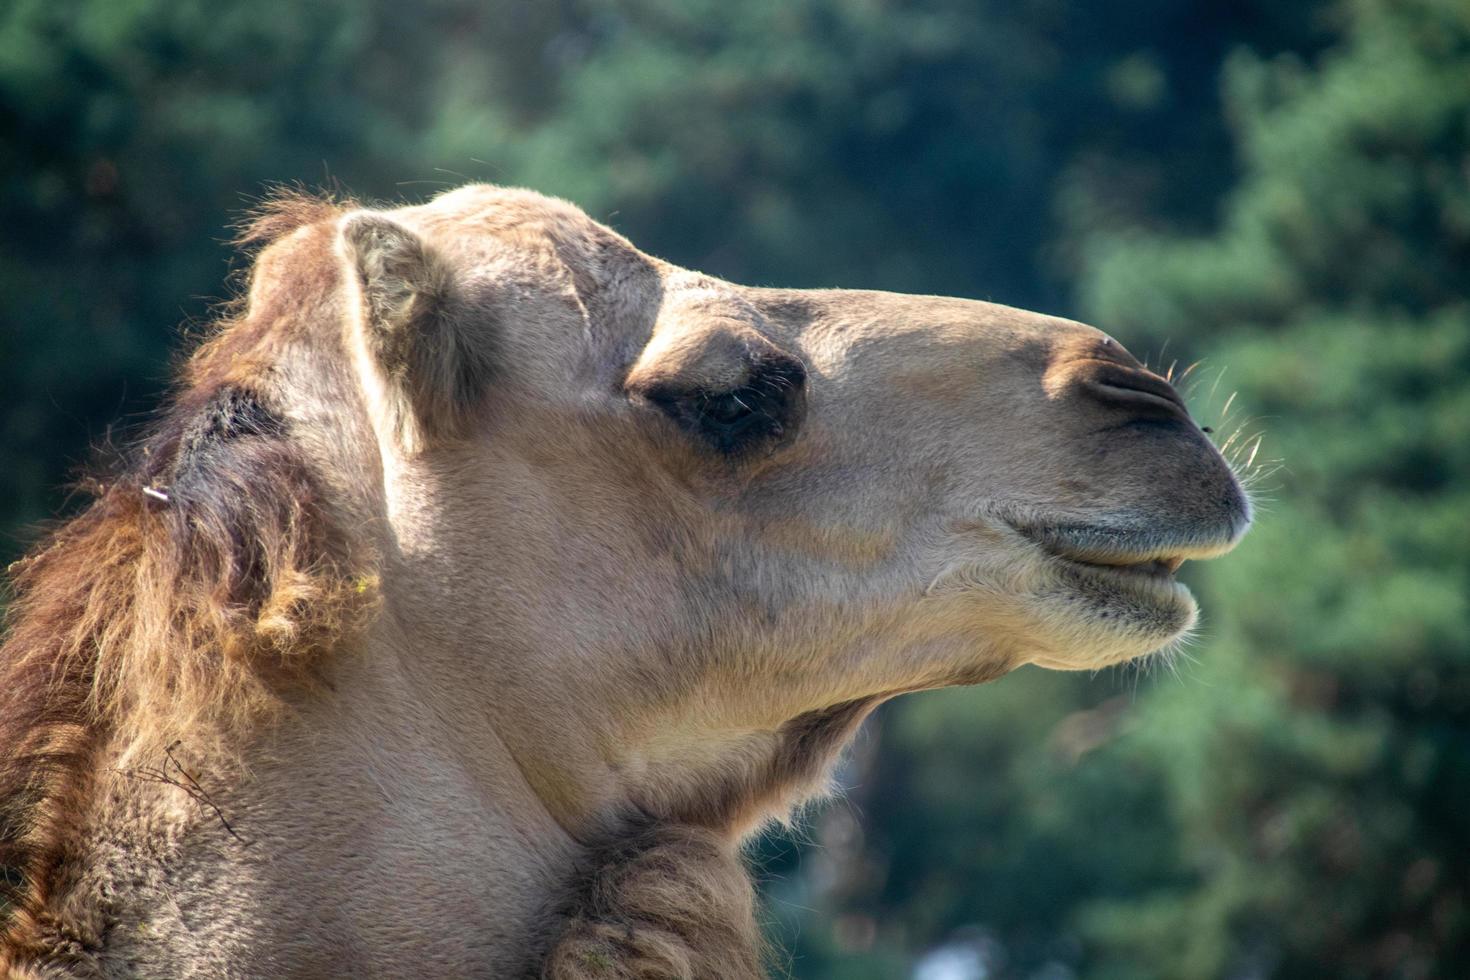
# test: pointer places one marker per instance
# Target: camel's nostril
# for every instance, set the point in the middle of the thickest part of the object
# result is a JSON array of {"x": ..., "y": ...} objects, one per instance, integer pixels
[{"x": 1114, "y": 383}]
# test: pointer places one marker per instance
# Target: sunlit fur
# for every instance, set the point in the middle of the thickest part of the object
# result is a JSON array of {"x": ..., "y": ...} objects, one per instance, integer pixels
[{"x": 434, "y": 629}]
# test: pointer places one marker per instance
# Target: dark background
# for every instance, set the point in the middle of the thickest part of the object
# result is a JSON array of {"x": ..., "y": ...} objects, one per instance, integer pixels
[{"x": 1278, "y": 190}]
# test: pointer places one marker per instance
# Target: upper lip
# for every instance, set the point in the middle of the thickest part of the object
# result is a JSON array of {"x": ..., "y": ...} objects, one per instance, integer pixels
[{"x": 1111, "y": 549}]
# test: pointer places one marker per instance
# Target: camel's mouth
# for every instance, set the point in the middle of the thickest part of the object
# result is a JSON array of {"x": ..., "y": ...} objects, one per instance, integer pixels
[
  {"x": 1139, "y": 597},
  {"x": 1144, "y": 578},
  {"x": 1124, "y": 578},
  {"x": 1163, "y": 567}
]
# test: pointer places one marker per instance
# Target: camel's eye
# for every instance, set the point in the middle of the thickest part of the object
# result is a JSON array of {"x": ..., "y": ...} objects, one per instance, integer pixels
[
  {"x": 729, "y": 408},
  {"x": 763, "y": 412}
]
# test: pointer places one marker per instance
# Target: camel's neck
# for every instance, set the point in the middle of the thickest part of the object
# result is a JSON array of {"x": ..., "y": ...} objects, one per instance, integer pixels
[
  {"x": 384, "y": 827},
  {"x": 599, "y": 751},
  {"x": 367, "y": 839},
  {"x": 630, "y": 883}
]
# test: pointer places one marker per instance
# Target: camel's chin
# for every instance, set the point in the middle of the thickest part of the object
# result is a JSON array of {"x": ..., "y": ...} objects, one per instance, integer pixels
[{"x": 1104, "y": 615}]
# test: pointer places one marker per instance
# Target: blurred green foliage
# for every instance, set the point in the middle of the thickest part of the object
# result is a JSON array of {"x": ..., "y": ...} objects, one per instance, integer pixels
[{"x": 1279, "y": 190}]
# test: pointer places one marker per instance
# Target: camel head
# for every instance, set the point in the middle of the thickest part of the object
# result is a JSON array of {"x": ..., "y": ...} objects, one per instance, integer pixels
[
  {"x": 669, "y": 538},
  {"x": 483, "y": 553}
]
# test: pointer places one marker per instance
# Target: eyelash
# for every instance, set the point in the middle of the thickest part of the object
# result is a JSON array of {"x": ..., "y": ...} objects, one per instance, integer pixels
[
  {"x": 717, "y": 406},
  {"x": 731, "y": 422}
]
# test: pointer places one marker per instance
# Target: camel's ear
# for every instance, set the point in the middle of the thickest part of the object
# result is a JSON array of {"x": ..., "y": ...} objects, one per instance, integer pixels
[{"x": 434, "y": 363}]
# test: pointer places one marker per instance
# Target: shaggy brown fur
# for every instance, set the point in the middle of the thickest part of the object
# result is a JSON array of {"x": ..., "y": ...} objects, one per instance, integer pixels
[
  {"x": 145, "y": 618},
  {"x": 671, "y": 903},
  {"x": 283, "y": 210},
  {"x": 202, "y": 581}
]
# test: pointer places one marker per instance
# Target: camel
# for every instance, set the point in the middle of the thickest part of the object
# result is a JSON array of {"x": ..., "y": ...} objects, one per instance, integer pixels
[{"x": 487, "y": 581}]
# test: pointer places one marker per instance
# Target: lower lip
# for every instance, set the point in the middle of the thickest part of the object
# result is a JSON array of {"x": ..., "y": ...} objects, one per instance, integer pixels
[
  {"x": 1150, "y": 577},
  {"x": 1151, "y": 569}
]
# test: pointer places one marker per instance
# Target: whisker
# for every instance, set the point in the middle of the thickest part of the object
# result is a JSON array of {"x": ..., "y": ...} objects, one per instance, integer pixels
[
  {"x": 1214, "y": 388},
  {"x": 1228, "y": 402}
]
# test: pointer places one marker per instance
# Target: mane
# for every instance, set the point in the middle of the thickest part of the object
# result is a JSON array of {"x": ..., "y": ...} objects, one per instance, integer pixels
[
  {"x": 201, "y": 584},
  {"x": 284, "y": 208}
]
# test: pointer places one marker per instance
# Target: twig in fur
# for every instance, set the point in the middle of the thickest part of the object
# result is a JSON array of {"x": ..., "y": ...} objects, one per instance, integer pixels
[{"x": 190, "y": 785}]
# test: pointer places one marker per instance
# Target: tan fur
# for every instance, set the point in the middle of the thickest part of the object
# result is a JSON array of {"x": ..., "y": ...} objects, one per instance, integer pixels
[{"x": 488, "y": 581}]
